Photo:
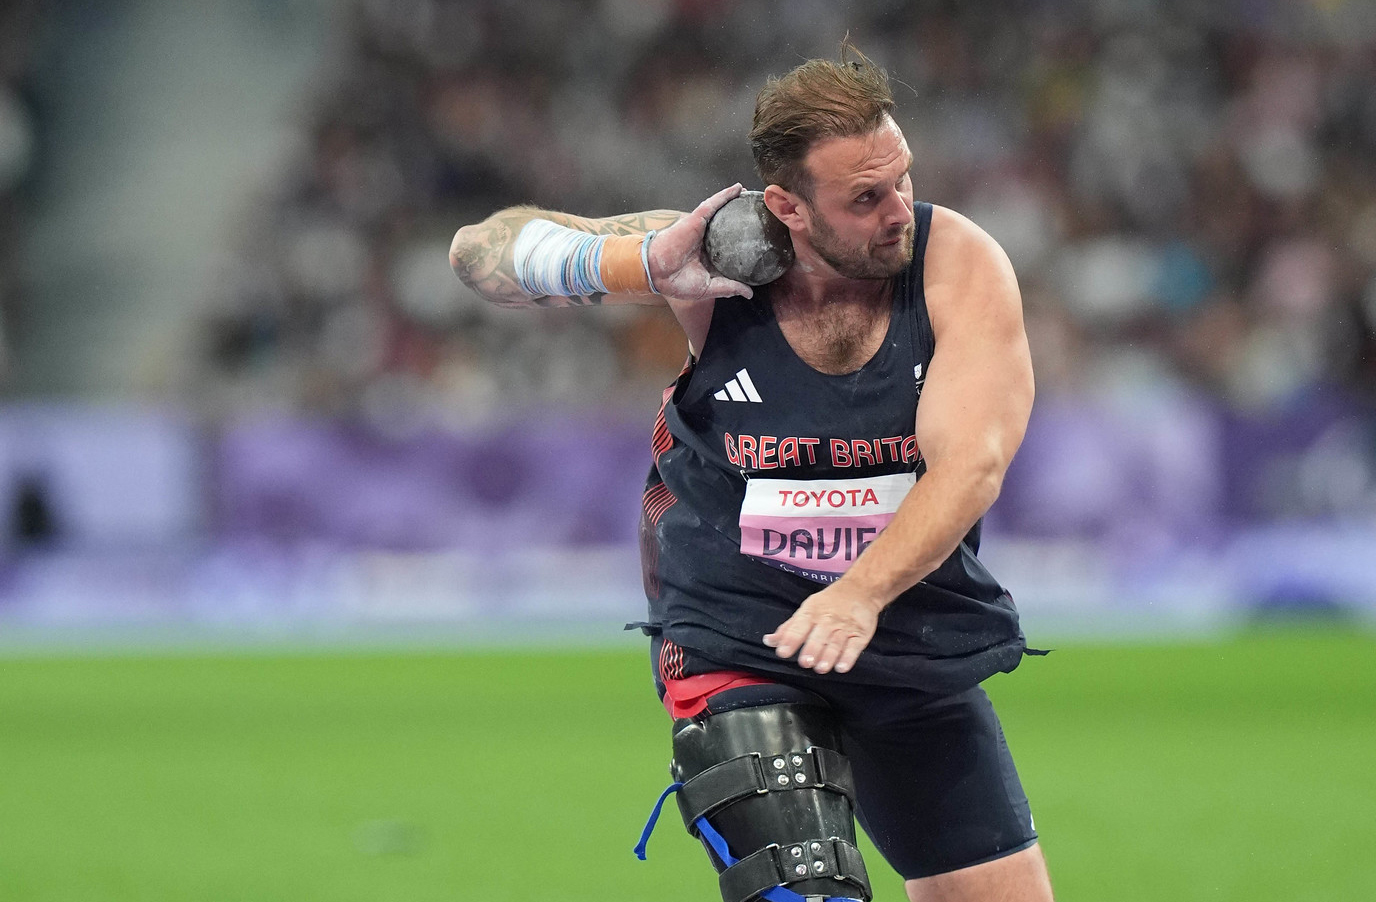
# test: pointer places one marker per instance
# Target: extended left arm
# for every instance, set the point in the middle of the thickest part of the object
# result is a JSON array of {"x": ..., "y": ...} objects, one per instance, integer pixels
[{"x": 970, "y": 422}]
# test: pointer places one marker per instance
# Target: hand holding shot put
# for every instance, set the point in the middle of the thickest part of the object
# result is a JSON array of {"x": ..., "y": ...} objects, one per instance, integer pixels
[
  {"x": 679, "y": 263},
  {"x": 856, "y": 385},
  {"x": 526, "y": 257}
]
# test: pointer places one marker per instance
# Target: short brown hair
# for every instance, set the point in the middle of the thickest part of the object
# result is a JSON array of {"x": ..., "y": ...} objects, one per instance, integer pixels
[{"x": 819, "y": 99}]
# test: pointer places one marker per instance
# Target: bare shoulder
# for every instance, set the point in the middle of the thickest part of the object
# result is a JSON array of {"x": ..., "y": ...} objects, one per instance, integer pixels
[
  {"x": 966, "y": 271},
  {"x": 958, "y": 249}
]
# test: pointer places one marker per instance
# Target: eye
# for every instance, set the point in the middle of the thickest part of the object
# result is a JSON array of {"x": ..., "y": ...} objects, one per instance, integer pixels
[{"x": 865, "y": 198}]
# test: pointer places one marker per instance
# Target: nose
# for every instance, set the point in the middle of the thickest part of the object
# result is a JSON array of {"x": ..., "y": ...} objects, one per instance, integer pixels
[{"x": 898, "y": 209}]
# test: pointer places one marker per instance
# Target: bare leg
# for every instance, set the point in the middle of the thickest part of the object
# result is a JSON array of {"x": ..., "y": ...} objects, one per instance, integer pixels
[{"x": 1020, "y": 877}]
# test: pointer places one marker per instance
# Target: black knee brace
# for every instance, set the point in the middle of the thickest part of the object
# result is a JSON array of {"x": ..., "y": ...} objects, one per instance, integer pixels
[{"x": 770, "y": 795}]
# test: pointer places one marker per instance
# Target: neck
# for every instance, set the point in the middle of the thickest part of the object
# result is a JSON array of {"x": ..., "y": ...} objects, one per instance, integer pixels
[
  {"x": 811, "y": 284},
  {"x": 835, "y": 325}
]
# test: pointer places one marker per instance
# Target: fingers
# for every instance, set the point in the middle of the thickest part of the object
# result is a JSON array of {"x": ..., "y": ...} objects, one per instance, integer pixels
[
  {"x": 822, "y": 645},
  {"x": 722, "y": 287},
  {"x": 790, "y": 635},
  {"x": 822, "y": 648},
  {"x": 832, "y": 653},
  {"x": 678, "y": 265},
  {"x": 850, "y": 653},
  {"x": 707, "y": 208},
  {"x": 693, "y": 282}
]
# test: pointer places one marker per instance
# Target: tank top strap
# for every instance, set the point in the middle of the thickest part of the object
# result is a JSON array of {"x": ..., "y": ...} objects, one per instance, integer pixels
[{"x": 912, "y": 296}]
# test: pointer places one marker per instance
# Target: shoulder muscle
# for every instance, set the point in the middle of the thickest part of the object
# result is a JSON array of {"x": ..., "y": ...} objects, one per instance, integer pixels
[{"x": 967, "y": 275}]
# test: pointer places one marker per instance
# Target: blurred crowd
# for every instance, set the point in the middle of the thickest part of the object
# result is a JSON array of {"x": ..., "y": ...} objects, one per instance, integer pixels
[
  {"x": 19, "y": 23},
  {"x": 1187, "y": 189}
]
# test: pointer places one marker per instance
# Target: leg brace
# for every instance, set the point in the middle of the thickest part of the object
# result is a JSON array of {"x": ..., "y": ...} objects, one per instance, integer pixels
[{"x": 770, "y": 795}]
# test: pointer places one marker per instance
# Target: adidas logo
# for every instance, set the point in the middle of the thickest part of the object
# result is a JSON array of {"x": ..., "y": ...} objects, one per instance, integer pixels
[{"x": 739, "y": 389}]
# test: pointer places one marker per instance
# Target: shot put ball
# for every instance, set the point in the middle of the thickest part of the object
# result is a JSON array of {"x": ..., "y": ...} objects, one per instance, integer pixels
[{"x": 745, "y": 242}]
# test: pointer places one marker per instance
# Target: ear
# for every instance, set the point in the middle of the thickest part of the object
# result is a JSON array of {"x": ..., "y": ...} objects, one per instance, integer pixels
[{"x": 787, "y": 207}]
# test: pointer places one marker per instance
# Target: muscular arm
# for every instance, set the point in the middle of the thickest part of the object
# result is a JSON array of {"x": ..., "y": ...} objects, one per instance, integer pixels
[
  {"x": 481, "y": 254},
  {"x": 483, "y": 257},
  {"x": 974, "y": 410}
]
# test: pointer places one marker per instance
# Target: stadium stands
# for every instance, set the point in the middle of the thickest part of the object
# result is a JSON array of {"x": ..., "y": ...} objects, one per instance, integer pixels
[
  {"x": 19, "y": 23},
  {"x": 1185, "y": 187}
]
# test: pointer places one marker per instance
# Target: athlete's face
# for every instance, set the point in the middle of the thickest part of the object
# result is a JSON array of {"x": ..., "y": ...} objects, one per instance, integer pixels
[{"x": 862, "y": 205}]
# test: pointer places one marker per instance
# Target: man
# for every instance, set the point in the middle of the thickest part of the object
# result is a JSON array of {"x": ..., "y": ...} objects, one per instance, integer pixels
[{"x": 810, "y": 529}]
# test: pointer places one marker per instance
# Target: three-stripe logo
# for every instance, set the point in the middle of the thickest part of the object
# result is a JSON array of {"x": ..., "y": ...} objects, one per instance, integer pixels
[{"x": 739, "y": 389}]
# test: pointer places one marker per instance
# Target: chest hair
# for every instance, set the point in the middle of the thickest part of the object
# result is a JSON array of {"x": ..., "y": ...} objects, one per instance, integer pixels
[{"x": 839, "y": 337}]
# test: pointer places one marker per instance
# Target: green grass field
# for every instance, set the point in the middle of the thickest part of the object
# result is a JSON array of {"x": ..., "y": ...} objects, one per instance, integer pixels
[{"x": 1240, "y": 769}]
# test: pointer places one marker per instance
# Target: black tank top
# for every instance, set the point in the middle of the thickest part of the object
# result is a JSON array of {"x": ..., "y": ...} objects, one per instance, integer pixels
[{"x": 769, "y": 479}]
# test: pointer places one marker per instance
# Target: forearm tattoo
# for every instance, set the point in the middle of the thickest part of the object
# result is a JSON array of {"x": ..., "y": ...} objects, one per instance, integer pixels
[{"x": 483, "y": 257}]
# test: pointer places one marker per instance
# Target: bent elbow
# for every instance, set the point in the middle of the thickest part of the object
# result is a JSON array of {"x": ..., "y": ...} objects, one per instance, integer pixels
[
  {"x": 463, "y": 253},
  {"x": 984, "y": 480},
  {"x": 988, "y": 485}
]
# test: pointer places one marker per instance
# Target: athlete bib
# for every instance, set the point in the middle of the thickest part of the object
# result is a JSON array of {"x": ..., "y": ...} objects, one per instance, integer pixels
[{"x": 817, "y": 527}]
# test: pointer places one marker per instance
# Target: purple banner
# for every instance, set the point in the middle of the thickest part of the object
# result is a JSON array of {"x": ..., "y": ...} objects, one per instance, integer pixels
[{"x": 552, "y": 482}]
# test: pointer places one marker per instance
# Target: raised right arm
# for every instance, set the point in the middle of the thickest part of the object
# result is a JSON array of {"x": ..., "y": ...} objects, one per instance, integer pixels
[{"x": 483, "y": 256}]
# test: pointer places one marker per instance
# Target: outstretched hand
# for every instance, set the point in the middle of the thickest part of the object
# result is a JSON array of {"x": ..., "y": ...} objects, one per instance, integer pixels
[
  {"x": 678, "y": 263},
  {"x": 829, "y": 630}
]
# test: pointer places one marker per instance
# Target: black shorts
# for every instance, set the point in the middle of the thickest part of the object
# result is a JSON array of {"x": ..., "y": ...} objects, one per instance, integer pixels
[{"x": 936, "y": 788}]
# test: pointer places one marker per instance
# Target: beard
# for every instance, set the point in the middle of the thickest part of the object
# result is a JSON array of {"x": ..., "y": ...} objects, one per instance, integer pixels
[{"x": 862, "y": 262}]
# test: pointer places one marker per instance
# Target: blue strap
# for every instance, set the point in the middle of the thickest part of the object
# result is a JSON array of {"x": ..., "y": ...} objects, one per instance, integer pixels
[
  {"x": 716, "y": 841},
  {"x": 654, "y": 818},
  {"x": 778, "y": 893},
  {"x": 718, "y": 844}
]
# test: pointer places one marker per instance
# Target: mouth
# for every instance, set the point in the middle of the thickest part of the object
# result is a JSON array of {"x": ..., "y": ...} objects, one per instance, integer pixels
[{"x": 897, "y": 240}]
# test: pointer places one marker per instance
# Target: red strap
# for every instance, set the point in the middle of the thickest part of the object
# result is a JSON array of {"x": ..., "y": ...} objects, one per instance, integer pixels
[{"x": 688, "y": 696}]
